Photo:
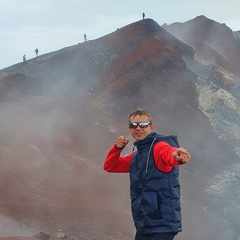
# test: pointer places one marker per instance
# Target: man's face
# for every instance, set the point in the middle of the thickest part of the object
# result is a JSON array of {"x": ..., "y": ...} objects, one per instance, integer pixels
[{"x": 140, "y": 133}]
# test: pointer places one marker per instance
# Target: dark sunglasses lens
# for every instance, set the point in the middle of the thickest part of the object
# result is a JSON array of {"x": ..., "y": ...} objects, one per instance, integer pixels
[
  {"x": 133, "y": 125},
  {"x": 143, "y": 124}
]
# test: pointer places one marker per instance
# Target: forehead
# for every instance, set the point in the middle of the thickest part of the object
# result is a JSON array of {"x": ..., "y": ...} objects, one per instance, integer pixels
[{"x": 139, "y": 118}]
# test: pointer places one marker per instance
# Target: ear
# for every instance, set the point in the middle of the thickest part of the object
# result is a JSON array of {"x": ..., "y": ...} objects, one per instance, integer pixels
[{"x": 152, "y": 126}]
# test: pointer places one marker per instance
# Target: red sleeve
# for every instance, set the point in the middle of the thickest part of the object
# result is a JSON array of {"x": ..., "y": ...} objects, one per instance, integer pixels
[
  {"x": 163, "y": 157},
  {"x": 115, "y": 163}
]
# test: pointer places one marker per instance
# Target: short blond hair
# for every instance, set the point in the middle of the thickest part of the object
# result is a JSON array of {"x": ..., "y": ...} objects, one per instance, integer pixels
[{"x": 140, "y": 112}]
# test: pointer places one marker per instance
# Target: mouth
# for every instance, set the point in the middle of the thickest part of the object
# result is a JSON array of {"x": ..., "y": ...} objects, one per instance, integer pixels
[{"x": 138, "y": 133}]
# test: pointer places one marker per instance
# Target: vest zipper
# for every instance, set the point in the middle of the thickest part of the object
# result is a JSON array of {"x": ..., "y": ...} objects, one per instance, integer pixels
[{"x": 149, "y": 154}]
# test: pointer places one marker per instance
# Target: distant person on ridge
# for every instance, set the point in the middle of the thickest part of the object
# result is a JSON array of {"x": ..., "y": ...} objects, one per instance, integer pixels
[
  {"x": 154, "y": 177},
  {"x": 36, "y": 51},
  {"x": 85, "y": 37},
  {"x": 143, "y": 15},
  {"x": 24, "y": 58}
]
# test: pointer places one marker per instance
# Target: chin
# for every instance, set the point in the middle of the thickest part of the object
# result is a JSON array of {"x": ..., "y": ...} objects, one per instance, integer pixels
[{"x": 139, "y": 138}]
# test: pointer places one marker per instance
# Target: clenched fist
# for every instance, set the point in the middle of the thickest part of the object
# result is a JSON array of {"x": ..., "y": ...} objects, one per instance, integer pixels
[
  {"x": 121, "y": 142},
  {"x": 182, "y": 155}
]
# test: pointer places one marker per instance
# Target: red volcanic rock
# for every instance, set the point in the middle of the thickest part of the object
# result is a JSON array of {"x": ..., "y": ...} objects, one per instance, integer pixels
[{"x": 62, "y": 111}]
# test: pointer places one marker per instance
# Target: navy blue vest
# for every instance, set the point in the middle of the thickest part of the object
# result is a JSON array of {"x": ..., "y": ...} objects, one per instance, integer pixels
[{"x": 155, "y": 195}]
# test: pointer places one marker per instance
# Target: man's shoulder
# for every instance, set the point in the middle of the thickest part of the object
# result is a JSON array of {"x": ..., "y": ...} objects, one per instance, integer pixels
[{"x": 170, "y": 139}]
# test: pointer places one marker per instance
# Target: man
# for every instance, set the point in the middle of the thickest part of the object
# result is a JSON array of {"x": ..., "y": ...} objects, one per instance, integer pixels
[
  {"x": 154, "y": 178},
  {"x": 24, "y": 58},
  {"x": 36, "y": 51},
  {"x": 85, "y": 37}
]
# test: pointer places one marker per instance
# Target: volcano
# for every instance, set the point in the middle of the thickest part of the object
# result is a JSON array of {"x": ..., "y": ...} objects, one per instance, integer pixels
[{"x": 62, "y": 111}]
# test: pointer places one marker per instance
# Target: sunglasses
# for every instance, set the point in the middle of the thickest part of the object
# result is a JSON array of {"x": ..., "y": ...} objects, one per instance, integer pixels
[{"x": 140, "y": 124}]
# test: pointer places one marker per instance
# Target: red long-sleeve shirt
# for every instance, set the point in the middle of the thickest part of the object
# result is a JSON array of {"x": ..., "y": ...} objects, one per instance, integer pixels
[{"x": 162, "y": 153}]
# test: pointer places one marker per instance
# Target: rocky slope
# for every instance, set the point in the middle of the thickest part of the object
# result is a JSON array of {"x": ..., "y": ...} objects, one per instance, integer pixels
[
  {"x": 213, "y": 42},
  {"x": 61, "y": 112}
]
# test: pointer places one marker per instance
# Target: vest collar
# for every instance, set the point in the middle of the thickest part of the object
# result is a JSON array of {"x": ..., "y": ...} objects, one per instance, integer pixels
[{"x": 150, "y": 137}]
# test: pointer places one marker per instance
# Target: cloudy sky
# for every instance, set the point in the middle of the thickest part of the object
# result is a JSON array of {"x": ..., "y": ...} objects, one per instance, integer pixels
[{"x": 50, "y": 25}]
